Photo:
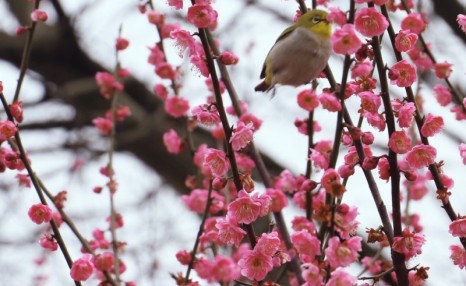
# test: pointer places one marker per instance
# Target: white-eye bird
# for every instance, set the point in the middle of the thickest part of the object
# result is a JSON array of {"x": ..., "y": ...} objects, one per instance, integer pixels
[{"x": 300, "y": 53}]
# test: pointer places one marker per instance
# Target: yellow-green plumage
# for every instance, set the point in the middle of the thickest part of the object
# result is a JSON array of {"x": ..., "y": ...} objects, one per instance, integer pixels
[{"x": 300, "y": 53}]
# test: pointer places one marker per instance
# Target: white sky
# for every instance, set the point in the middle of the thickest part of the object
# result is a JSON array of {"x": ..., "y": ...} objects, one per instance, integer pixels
[{"x": 98, "y": 26}]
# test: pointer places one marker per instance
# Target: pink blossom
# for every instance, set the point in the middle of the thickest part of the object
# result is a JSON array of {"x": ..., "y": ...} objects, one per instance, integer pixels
[
  {"x": 336, "y": 16},
  {"x": 376, "y": 120},
  {"x": 345, "y": 220},
  {"x": 431, "y": 125},
  {"x": 340, "y": 277},
  {"x": 123, "y": 72},
  {"x": 107, "y": 84},
  {"x": 243, "y": 106},
  {"x": 369, "y": 101},
  {"x": 183, "y": 40},
  {"x": 251, "y": 118},
  {"x": 399, "y": 142},
  {"x": 121, "y": 112},
  {"x": 155, "y": 18},
  {"x": 342, "y": 254},
  {"x": 183, "y": 257},
  {"x": 216, "y": 161},
  {"x": 121, "y": 44},
  {"x": 156, "y": 56},
  {"x": 370, "y": 22},
  {"x": 161, "y": 91},
  {"x": 459, "y": 112},
  {"x": 402, "y": 74},
  {"x": 242, "y": 135},
  {"x": 442, "y": 94},
  {"x": 418, "y": 189},
  {"x": 199, "y": 62},
  {"x": 312, "y": 274},
  {"x": 202, "y": 15},
  {"x": 197, "y": 199},
  {"x": 414, "y": 23},
  {"x": 345, "y": 41},
  {"x": 462, "y": 149},
  {"x": 264, "y": 202},
  {"x": 409, "y": 243},
  {"x": 178, "y": 4},
  {"x": 23, "y": 179},
  {"x": 405, "y": 114},
  {"x": 331, "y": 183},
  {"x": 82, "y": 268},
  {"x": 173, "y": 142},
  {"x": 203, "y": 268},
  {"x": 104, "y": 125},
  {"x": 104, "y": 261},
  {"x": 39, "y": 15},
  {"x": 7, "y": 129},
  {"x": 361, "y": 69},
  {"x": 346, "y": 170},
  {"x": 458, "y": 255},
  {"x": 384, "y": 169},
  {"x": 420, "y": 59},
  {"x": 268, "y": 243},
  {"x": 206, "y": 114},
  {"x": 320, "y": 155},
  {"x": 245, "y": 164},
  {"x": 224, "y": 269},
  {"x": 421, "y": 156},
  {"x": 279, "y": 199},
  {"x": 176, "y": 106},
  {"x": 21, "y": 30},
  {"x": 458, "y": 227},
  {"x": 373, "y": 265},
  {"x": 443, "y": 70},
  {"x": 48, "y": 242},
  {"x": 165, "y": 71},
  {"x": 307, "y": 100},
  {"x": 255, "y": 265},
  {"x": 461, "y": 19},
  {"x": 302, "y": 223},
  {"x": 243, "y": 209},
  {"x": 40, "y": 213},
  {"x": 228, "y": 58},
  {"x": 307, "y": 245},
  {"x": 367, "y": 138},
  {"x": 16, "y": 109},
  {"x": 330, "y": 102},
  {"x": 229, "y": 232},
  {"x": 405, "y": 40},
  {"x": 285, "y": 182}
]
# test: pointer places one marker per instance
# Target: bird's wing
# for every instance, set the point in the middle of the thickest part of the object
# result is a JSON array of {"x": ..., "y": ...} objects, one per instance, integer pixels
[{"x": 282, "y": 36}]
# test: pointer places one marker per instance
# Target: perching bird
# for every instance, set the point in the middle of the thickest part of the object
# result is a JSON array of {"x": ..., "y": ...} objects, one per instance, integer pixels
[{"x": 300, "y": 53}]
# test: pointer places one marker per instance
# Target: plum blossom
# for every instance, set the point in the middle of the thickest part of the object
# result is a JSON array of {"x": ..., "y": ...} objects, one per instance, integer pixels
[
  {"x": 345, "y": 41},
  {"x": 82, "y": 268},
  {"x": 410, "y": 243},
  {"x": 421, "y": 156},
  {"x": 370, "y": 22}
]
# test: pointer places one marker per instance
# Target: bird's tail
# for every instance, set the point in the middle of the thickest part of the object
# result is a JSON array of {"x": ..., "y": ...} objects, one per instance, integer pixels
[{"x": 263, "y": 86}]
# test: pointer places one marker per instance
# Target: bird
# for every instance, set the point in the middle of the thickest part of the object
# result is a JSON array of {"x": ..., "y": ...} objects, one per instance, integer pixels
[{"x": 300, "y": 53}]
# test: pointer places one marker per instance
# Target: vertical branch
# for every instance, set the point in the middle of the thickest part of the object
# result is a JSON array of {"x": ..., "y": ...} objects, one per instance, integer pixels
[
  {"x": 25, "y": 57},
  {"x": 398, "y": 258},
  {"x": 257, "y": 158},
  {"x": 199, "y": 232},
  {"x": 35, "y": 182},
  {"x": 419, "y": 121}
]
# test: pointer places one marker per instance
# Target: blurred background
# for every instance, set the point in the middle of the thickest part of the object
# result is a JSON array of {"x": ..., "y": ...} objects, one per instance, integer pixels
[{"x": 61, "y": 98}]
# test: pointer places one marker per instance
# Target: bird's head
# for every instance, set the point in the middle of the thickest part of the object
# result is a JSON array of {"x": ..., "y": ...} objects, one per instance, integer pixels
[{"x": 316, "y": 21}]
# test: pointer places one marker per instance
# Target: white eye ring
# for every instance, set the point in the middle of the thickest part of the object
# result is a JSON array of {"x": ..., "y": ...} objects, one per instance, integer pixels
[{"x": 316, "y": 20}]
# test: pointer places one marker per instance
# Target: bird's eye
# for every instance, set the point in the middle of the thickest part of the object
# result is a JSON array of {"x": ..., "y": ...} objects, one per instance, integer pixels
[{"x": 316, "y": 20}]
